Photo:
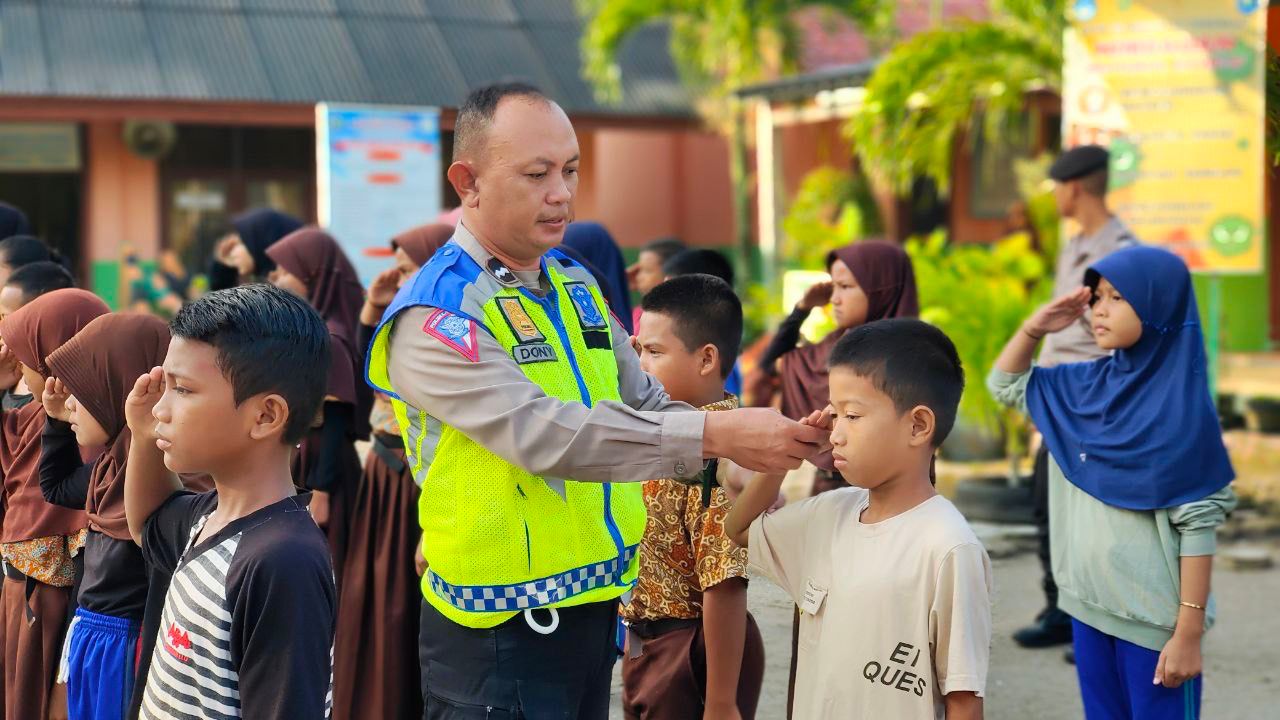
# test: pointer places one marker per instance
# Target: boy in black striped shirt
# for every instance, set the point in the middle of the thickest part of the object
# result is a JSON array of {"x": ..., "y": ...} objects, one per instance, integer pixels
[{"x": 248, "y": 620}]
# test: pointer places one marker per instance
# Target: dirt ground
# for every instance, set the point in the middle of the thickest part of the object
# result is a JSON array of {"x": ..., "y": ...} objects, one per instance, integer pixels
[{"x": 1242, "y": 652}]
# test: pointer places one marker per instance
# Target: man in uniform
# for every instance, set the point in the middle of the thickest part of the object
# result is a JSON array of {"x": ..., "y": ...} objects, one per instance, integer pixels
[
  {"x": 527, "y": 422},
  {"x": 1080, "y": 189}
]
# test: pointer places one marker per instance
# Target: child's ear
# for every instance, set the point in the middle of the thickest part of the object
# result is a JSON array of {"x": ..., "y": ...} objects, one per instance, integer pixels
[
  {"x": 923, "y": 423},
  {"x": 271, "y": 415},
  {"x": 708, "y": 360}
]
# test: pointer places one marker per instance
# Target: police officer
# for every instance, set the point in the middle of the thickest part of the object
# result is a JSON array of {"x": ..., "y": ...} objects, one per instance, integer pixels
[
  {"x": 526, "y": 419},
  {"x": 1080, "y": 178}
]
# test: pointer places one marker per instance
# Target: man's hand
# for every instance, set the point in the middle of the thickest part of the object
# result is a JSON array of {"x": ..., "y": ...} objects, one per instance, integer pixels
[
  {"x": 761, "y": 439},
  {"x": 54, "y": 400},
  {"x": 141, "y": 401}
]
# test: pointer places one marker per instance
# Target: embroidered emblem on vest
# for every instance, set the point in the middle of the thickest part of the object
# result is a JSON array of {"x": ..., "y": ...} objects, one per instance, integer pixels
[
  {"x": 588, "y": 314},
  {"x": 458, "y": 333},
  {"x": 518, "y": 319}
]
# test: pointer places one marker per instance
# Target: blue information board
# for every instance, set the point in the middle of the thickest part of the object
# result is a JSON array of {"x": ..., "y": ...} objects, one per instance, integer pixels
[{"x": 378, "y": 174}]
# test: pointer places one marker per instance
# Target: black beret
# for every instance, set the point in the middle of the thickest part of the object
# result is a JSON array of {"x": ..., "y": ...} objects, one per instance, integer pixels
[{"x": 1078, "y": 162}]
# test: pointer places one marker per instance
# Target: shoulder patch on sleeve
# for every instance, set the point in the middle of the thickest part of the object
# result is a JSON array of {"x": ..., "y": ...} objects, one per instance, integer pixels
[{"x": 458, "y": 333}]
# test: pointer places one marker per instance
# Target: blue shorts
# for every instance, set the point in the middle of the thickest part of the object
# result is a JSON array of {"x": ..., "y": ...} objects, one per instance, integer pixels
[
  {"x": 101, "y": 666},
  {"x": 1115, "y": 681}
]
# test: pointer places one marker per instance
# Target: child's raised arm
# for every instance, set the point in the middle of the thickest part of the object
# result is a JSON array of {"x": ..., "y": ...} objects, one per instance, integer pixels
[
  {"x": 147, "y": 482},
  {"x": 755, "y": 499},
  {"x": 1055, "y": 316}
]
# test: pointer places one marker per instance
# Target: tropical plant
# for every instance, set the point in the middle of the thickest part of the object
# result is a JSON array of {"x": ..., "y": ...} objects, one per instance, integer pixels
[
  {"x": 979, "y": 295},
  {"x": 1272, "y": 95},
  {"x": 719, "y": 46},
  {"x": 930, "y": 89},
  {"x": 832, "y": 207}
]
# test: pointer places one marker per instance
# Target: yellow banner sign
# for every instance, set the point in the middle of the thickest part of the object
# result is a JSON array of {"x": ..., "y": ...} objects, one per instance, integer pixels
[{"x": 1175, "y": 89}]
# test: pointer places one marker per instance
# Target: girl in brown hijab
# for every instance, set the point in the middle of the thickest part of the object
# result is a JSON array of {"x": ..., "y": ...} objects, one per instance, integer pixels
[
  {"x": 375, "y": 670},
  {"x": 39, "y": 539},
  {"x": 871, "y": 280},
  {"x": 310, "y": 264},
  {"x": 91, "y": 376}
]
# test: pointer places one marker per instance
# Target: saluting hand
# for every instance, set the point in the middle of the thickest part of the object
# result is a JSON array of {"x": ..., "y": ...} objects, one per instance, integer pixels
[
  {"x": 1059, "y": 314},
  {"x": 383, "y": 290},
  {"x": 140, "y": 403},
  {"x": 818, "y": 295},
  {"x": 10, "y": 373},
  {"x": 54, "y": 400}
]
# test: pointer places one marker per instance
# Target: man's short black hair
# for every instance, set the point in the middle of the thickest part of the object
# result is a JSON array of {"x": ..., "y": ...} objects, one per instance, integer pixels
[
  {"x": 37, "y": 278},
  {"x": 665, "y": 248},
  {"x": 911, "y": 361},
  {"x": 476, "y": 114},
  {"x": 701, "y": 261},
  {"x": 268, "y": 341},
  {"x": 1095, "y": 183},
  {"x": 22, "y": 250},
  {"x": 704, "y": 310}
]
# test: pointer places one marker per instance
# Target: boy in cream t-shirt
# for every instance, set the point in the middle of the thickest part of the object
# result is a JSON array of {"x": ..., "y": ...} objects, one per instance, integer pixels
[{"x": 893, "y": 587}]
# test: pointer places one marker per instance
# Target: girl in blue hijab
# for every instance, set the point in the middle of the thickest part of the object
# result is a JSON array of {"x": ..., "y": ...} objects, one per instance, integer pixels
[
  {"x": 1139, "y": 480},
  {"x": 593, "y": 243}
]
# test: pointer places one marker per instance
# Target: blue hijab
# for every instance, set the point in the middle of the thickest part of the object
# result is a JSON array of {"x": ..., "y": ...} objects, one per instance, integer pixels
[
  {"x": 1138, "y": 430},
  {"x": 595, "y": 245}
]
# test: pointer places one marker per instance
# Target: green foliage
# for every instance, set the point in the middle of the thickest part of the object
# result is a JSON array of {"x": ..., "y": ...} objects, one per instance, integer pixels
[
  {"x": 718, "y": 45},
  {"x": 832, "y": 207},
  {"x": 931, "y": 87},
  {"x": 979, "y": 295}
]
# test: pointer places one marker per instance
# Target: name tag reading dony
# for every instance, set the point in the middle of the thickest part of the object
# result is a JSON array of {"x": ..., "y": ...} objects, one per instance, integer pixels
[{"x": 813, "y": 597}]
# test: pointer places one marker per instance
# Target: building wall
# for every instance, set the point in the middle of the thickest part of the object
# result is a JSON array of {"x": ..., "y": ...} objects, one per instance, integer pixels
[
  {"x": 645, "y": 184},
  {"x": 121, "y": 206}
]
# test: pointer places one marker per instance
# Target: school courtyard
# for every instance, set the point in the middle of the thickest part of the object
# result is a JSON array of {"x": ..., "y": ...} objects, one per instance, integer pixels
[{"x": 1242, "y": 677}]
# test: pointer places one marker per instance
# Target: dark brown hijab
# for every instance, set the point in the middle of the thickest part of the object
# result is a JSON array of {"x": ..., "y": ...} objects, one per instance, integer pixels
[
  {"x": 334, "y": 290},
  {"x": 883, "y": 271},
  {"x": 99, "y": 366},
  {"x": 422, "y": 242},
  {"x": 33, "y": 333}
]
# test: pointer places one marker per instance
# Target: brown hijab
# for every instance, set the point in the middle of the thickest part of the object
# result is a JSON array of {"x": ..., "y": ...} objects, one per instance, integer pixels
[
  {"x": 334, "y": 290},
  {"x": 99, "y": 366},
  {"x": 422, "y": 242},
  {"x": 33, "y": 333},
  {"x": 883, "y": 271}
]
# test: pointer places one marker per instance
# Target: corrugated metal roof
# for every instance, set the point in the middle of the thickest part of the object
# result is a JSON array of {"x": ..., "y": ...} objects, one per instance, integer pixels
[
  {"x": 416, "y": 52},
  {"x": 22, "y": 56}
]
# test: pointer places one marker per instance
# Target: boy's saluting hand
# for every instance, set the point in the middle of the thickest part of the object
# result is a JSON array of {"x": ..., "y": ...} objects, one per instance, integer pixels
[{"x": 138, "y": 406}]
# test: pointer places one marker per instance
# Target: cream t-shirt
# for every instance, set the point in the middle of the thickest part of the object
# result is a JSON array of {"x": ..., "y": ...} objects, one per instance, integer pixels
[{"x": 893, "y": 615}]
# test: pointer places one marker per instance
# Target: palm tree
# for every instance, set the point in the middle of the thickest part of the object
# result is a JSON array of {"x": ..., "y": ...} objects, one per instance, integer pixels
[
  {"x": 931, "y": 88},
  {"x": 718, "y": 46}
]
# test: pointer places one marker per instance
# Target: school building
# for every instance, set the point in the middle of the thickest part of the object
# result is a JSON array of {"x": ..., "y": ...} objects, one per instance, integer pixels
[{"x": 134, "y": 126}]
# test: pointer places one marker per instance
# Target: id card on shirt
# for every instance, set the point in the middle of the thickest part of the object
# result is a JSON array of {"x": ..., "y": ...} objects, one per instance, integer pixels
[{"x": 813, "y": 597}]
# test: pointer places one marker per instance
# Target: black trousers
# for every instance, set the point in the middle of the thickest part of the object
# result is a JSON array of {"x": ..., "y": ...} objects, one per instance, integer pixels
[
  {"x": 1040, "y": 512},
  {"x": 511, "y": 671}
]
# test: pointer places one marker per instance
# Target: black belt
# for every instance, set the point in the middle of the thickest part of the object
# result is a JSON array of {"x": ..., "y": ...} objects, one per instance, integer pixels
[
  {"x": 384, "y": 447},
  {"x": 29, "y": 588},
  {"x": 651, "y": 629}
]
